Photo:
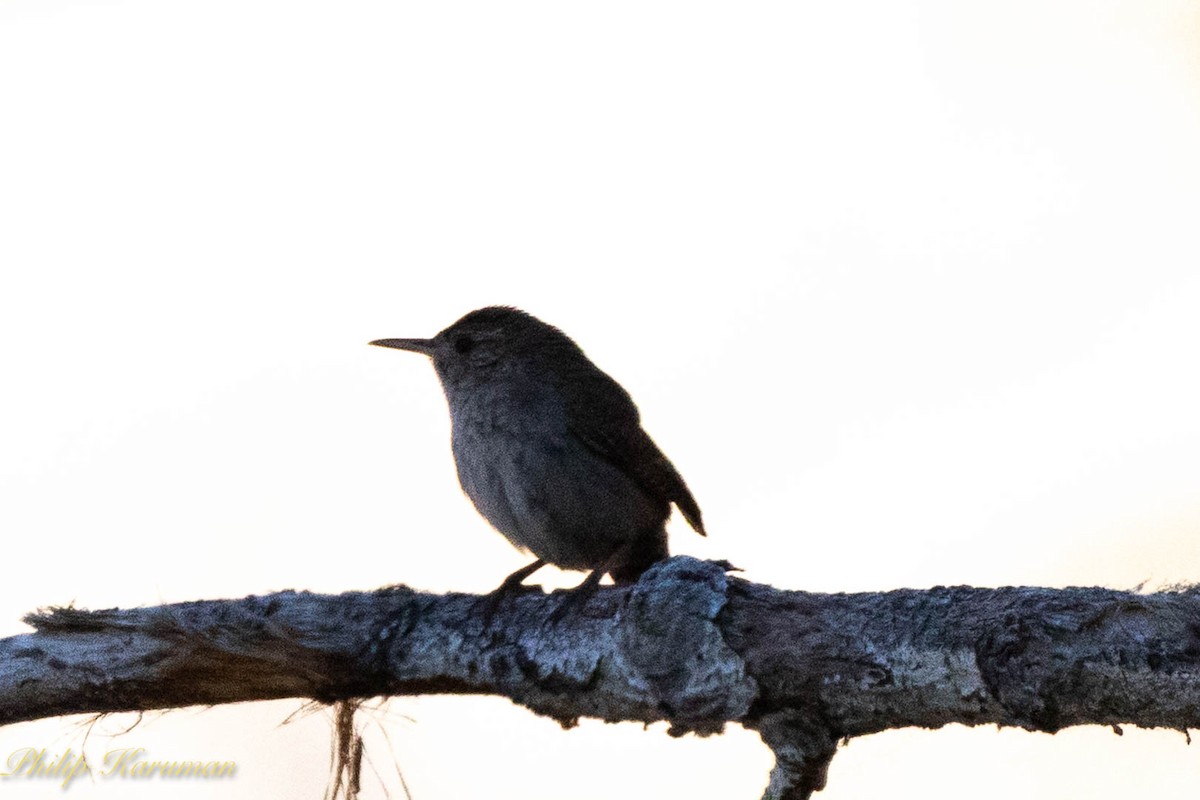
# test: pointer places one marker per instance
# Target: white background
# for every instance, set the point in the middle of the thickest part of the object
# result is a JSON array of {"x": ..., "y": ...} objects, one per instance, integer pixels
[{"x": 908, "y": 290}]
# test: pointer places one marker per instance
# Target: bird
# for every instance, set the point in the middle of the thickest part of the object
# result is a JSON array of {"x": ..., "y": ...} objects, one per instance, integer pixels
[{"x": 551, "y": 450}]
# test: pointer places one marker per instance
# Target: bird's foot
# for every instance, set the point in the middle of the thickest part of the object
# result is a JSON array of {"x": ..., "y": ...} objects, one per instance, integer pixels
[
  {"x": 574, "y": 600},
  {"x": 489, "y": 605}
]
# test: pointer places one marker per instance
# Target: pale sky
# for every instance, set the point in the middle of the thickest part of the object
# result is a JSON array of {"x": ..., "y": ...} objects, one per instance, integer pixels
[{"x": 909, "y": 291}]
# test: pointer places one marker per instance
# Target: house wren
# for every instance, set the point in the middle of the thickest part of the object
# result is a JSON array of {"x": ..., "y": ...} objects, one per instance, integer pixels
[{"x": 550, "y": 449}]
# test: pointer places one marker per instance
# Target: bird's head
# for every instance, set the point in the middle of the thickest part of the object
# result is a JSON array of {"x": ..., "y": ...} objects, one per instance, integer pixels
[{"x": 486, "y": 343}]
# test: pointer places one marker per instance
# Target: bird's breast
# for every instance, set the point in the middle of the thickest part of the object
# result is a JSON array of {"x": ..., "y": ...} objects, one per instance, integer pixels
[
  {"x": 505, "y": 436},
  {"x": 543, "y": 488}
]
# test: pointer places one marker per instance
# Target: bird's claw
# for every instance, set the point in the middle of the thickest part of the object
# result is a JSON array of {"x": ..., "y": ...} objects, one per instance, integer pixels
[{"x": 489, "y": 604}]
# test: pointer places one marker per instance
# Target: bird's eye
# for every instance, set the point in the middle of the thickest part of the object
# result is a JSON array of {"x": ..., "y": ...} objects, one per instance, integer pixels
[{"x": 463, "y": 344}]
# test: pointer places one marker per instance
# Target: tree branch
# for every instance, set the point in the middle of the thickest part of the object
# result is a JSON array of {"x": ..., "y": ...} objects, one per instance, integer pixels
[{"x": 687, "y": 644}]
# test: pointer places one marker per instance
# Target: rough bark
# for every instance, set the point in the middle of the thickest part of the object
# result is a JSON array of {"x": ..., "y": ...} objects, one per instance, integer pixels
[{"x": 688, "y": 644}]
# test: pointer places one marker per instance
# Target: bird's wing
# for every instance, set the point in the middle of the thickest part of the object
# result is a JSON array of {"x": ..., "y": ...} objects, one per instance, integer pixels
[{"x": 609, "y": 424}]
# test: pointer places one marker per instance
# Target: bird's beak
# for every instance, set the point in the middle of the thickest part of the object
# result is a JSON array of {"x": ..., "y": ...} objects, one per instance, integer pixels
[{"x": 423, "y": 346}]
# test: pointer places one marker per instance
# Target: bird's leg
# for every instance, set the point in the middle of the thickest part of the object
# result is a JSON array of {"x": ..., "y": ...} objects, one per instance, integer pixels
[
  {"x": 491, "y": 601},
  {"x": 577, "y": 598},
  {"x": 515, "y": 580}
]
